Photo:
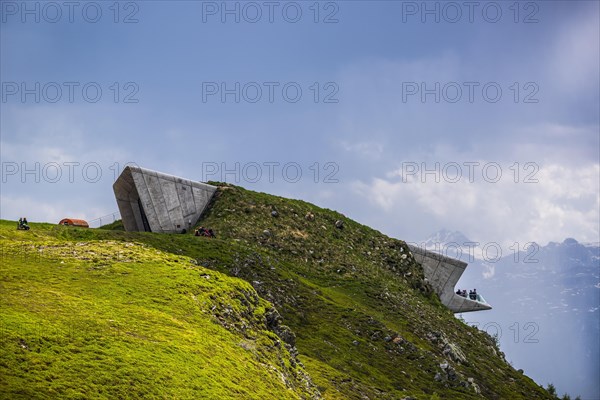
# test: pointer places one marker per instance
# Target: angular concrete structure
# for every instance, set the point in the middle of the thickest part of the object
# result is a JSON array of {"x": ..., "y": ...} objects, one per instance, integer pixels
[
  {"x": 443, "y": 273},
  {"x": 151, "y": 201}
]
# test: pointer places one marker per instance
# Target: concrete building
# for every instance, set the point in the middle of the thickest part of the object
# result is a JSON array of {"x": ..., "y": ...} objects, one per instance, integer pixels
[
  {"x": 443, "y": 273},
  {"x": 151, "y": 201}
]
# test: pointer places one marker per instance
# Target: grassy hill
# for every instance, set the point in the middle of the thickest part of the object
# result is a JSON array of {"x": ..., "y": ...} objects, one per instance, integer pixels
[{"x": 289, "y": 301}]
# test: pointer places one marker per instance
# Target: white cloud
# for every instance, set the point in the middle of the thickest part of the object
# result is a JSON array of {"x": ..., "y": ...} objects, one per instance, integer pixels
[
  {"x": 564, "y": 203},
  {"x": 490, "y": 270},
  {"x": 369, "y": 150}
]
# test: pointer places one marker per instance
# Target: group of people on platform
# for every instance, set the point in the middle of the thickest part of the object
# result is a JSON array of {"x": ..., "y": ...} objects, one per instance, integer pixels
[
  {"x": 472, "y": 293},
  {"x": 202, "y": 231}
]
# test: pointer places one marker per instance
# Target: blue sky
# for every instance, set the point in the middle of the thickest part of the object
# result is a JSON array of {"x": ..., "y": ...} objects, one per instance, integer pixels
[{"x": 366, "y": 59}]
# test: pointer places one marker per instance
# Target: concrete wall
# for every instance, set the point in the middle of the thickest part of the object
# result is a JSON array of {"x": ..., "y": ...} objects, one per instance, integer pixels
[
  {"x": 443, "y": 273},
  {"x": 157, "y": 202}
]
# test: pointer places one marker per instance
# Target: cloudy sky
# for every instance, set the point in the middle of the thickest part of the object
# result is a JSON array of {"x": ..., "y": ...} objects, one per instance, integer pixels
[{"x": 406, "y": 116}]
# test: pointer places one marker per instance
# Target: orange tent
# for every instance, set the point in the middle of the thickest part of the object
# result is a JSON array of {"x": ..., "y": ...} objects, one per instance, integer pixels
[{"x": 74, "y": 222}]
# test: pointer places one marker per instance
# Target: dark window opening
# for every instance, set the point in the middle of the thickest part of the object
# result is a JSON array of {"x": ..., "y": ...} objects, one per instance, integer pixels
[{"x": 144, "y": 218}]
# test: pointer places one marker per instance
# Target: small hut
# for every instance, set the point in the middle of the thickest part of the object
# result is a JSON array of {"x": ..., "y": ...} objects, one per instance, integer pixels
[{"x": 74, "y": 222}]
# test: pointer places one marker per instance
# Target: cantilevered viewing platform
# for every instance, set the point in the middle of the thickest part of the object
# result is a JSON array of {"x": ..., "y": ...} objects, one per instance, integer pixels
[{"x": 443, "y": 273}]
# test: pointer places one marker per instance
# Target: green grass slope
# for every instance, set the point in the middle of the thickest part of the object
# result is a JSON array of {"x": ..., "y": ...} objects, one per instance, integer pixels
[
  {"x": 90, "y": 314},
  {"x": 104, "y": 313},
  {"x": 366, "y": 321}
]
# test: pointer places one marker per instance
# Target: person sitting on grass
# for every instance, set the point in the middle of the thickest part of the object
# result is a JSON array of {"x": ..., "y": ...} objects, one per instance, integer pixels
[
  {"x": 22, "y": 225},
  {"x": 202, "y": 231}
]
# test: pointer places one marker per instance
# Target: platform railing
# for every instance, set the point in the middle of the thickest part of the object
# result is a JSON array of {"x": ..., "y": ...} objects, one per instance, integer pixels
[{"x": 478, "y": 298}]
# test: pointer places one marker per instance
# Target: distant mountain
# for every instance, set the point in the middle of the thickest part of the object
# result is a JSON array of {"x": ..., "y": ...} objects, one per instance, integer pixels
[
  {"x": 452, "y": 244},
  {"x": 563, "y": 276},
  {"x": 545, "y": 301},
  {"x": 443, "y": 239}
]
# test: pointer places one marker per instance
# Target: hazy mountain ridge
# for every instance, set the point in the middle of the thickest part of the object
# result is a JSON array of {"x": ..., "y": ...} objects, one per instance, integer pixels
[{"x": 553, "y": 288}]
